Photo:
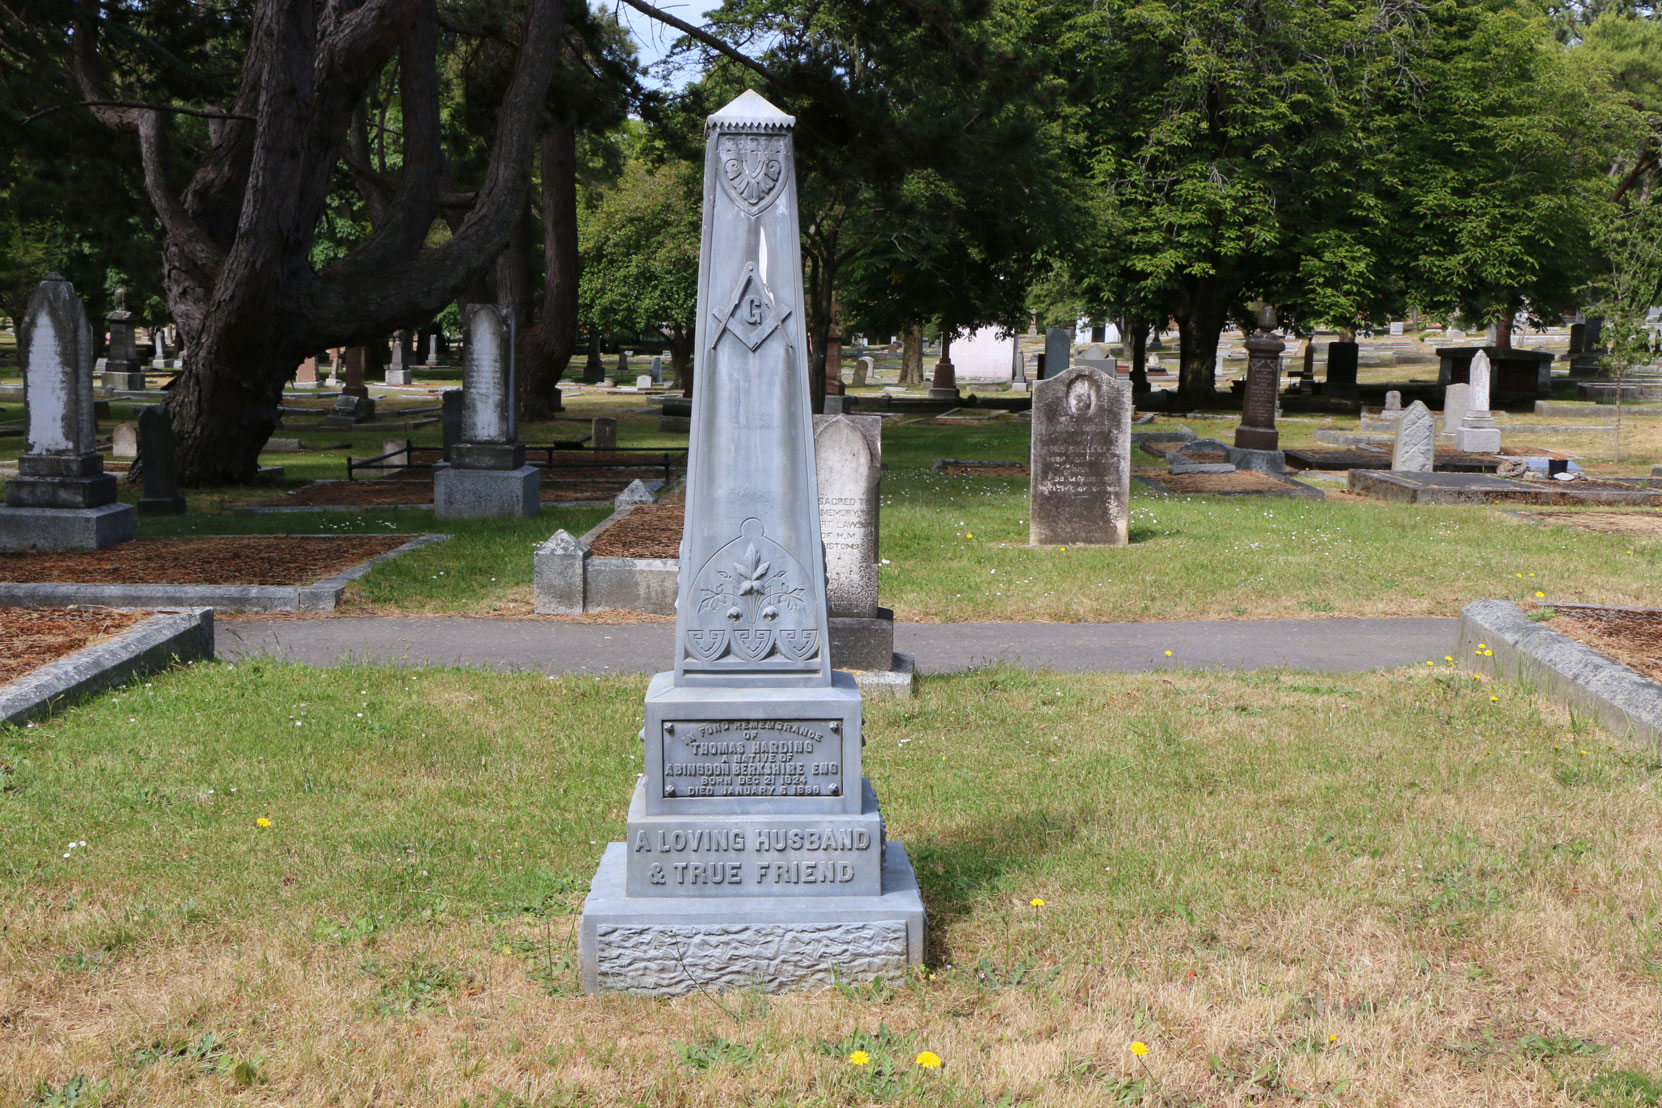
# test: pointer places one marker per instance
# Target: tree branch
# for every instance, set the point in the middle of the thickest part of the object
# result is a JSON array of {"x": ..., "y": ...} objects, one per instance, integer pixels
[
  {"x": 172, "y": 109},
  {"x": 703, "y": 36}
]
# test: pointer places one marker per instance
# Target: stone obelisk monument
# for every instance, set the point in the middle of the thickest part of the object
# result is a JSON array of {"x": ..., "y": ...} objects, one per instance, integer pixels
[{"x": 755, "y": 854}]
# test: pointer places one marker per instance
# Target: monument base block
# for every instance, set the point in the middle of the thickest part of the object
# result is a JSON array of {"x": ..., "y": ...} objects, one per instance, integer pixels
[
  {"x": 162, "y": 506},
  {"x": 24, "y": 529},
  {"x": 485, "y": 493},
  {"x": 861, "y": 642},
  {"x": 1257, "y": 438},
  {"x": 1477, "y": 440},
  {"x": 119, "y": 381},
  {"x": 1264, "y": 461},
  {"x": 945, "y": 394},
  {"x": 672, "y": 946},
  {"x": 400, "y": 377}
]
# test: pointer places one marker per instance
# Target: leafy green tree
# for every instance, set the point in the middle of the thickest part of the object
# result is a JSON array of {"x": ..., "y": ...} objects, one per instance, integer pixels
[
  {"x": 639, "y": 250},
  {"x": 1234, "y": 147},
  {"x": 1503, "y": 174}
]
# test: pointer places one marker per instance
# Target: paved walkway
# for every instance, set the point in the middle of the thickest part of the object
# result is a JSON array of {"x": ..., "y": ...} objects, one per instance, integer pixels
[{"x": 547, "y": 646}]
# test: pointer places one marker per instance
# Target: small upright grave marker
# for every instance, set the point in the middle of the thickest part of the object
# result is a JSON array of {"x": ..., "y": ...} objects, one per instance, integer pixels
[
  {"x": 61, "y": 498},
  {"x": 1414, "y": 450},
  {"x": 161, "y": 482},
  {"x": 486, "y": 476},
  {"x": 1081, "y": 459},
  {"x": 1477, "y": 432},
  {"x": 122, "y": 370}
]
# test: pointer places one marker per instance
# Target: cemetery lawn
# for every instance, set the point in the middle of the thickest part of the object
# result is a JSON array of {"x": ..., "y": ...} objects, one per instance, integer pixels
[{"x": 267, "y": 884}]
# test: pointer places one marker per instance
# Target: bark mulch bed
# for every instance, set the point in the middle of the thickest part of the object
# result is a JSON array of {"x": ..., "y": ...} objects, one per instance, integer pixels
[
  {"x": 32, "y": 637},
  {"x": 1632, "y": 637},
  {"x": 1605, "y": 523},
  {"x": 225, "y": 560},
  {"x": 649, "y": 531}
]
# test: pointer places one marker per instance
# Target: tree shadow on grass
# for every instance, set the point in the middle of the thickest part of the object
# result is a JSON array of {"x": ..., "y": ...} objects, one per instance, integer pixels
[{"x": 959, "y": 868}]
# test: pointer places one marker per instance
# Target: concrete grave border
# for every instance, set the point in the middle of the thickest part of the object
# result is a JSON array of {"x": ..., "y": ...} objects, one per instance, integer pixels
[
  {"x": 1625, "y": 702},
  {"x": 164, "y": 639},
  {"x": 567, "y": 580},
  {"x": 300, "y": 509},
  {"x": 1298, "y": 490},
  {"x": 1389, "y": 485},
  {"x": 319, "y": 596}
]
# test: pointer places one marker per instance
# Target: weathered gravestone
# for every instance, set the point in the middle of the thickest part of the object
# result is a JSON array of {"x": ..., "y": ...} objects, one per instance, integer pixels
[
  {"x": 1058, "y": 352},
  {"x": 848, "y": 456},
  {"x": 1263, "y": 385},
  {"x": 398, "y": 362},
  {"x": 657, "y": 369},
  {"x": 755, "y": 854},
  {"x": 1456, "y": 398},
  {"x": 1415, "y": 447},
  {"x": 1081, "y": 459},
  {"x": 161, "y": 482},
  {"x": 124, "y": 440},
  {"x": 486, "y": 476},
  {"x": 61, "y": 498},
  {"x": 305, "y": 375},
  {"x": 122, "y": 369},
  {"x": 864, "y": 369},
  {"x": 603, "y": 433},
  {"x": 1477, "y": 432}
]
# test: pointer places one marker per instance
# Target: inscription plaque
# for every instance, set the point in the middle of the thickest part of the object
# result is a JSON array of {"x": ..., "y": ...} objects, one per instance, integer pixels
[{"x": 721, "y": 757}]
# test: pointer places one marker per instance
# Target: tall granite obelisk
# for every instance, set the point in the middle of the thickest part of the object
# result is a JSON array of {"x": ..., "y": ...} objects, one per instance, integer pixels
[{"x": 755, "y": 854}]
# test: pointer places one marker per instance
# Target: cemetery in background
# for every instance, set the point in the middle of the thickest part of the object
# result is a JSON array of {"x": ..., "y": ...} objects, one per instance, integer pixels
[{"x": 484, "y": 523}]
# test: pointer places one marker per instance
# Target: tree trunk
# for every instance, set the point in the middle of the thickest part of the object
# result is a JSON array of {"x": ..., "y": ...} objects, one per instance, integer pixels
[
  {"x": 239, "y": 277},
  {"x": 1201, "y": 308},
  {"x": 1136, "y": 337},
  {"x": 911, "y": 356},
  {"x": 552, "y": 342},
  {"x": 680, "y": 358}
]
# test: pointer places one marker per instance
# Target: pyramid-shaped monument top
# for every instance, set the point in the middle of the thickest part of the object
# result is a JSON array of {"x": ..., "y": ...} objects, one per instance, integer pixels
[
  {"x": 751, "y": 610},
  {"x": 749, "y": 111}
]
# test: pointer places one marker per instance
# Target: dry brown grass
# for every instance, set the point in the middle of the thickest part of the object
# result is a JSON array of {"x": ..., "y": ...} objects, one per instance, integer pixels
[{"x": 1366, "y": 889}]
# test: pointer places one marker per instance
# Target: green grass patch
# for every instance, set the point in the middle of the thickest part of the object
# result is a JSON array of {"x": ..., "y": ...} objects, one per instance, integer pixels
[{"x": 1287, "y": 886}]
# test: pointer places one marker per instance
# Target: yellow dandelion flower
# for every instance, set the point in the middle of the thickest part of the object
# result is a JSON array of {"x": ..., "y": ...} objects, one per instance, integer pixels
[
  {"x": 1483, "y": 646},
  {"x": 1488, "y": 653},
  {"x": 1520, "y": 575},
  {"x": 1037, "y": 902},
  {"x": 1539, "y": 595},
  {"x": 1583, "y": 753},
  {"x": 1494, "y": 699},
  {"x": 1140, "y": 1049},
  {"x": 929, "y": 1060},
  {"x": 859, "y": 1058},
  {"x": 1168, "y": 654},
  {"x": 1333, "y": 1038},
  {"x": 263, "y": 822},
  {"x": 969, "y": 534},
  {"x": 1448, "y": 658}
]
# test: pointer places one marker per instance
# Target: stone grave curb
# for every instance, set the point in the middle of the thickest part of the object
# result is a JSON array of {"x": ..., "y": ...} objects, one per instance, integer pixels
[
  {"x": 164, "y": 639},
  {"x": 1626, "y": 703},
  {"x": 320, "y": 596},
  {"x": 1298, "y": 491},
  {"x": 1389, "y": 485}
]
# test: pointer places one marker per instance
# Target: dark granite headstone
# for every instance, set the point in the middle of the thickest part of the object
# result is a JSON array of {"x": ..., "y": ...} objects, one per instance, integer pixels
[
  {"x": 1058, "y": 352},
  {"x": 161, "y": 481},
  {"x": 1342, "y": 358}
]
